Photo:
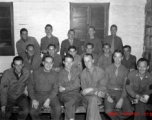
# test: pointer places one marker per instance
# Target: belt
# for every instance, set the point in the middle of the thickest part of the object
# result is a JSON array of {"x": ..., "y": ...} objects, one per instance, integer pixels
[{"x": 115, "y": 88}]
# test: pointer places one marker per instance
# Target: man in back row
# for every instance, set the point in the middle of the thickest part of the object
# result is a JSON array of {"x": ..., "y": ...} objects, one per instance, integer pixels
[
  {"x": 113, "y": 39},
  {"x": 24, "y": 41}
]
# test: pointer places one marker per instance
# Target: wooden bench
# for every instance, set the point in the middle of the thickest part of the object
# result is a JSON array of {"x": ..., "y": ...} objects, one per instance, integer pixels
[{"x": 80, "y": 109}]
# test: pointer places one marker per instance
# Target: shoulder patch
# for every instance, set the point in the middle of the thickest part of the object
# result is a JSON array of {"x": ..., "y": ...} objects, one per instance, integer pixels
[{"x": 128, "y": 82}]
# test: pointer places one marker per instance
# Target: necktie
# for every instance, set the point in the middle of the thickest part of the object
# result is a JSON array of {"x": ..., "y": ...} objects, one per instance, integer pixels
[
  {"x": 69, "y": 75},
  {"x": 116, "y": 72},
  {"x": 71, "y": 42},
  {"x": 112, "y": 44}
]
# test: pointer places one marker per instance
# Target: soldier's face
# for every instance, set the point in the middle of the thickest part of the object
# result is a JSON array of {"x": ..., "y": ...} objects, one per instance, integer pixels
[
  {"x": 48, "y": 30},
  {"x": 91, "y": 31},
  {"x": 51, "y": 50},
  {"x": 106, "y": 49},
  {"x": 71, "y": 35},
  {"x": 113, "y": 31},
  {"x": 142, "y": 67},
  {"x": 18, "y": 65},
  {"x": 126, "y": 52},
  {"x": 72, "y": 52},
  {"x": 24, "y": 35},
  {"x": 117, "y": 58},
  {"x": 30, "y": 51},
  {"x": 68, "y": 62},
  {"x": 48, "y": 63},
  {"x": 89, "y": 49},
  {"x": 88, "y": 61}
]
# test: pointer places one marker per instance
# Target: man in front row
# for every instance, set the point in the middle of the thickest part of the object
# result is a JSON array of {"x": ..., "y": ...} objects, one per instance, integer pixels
[
  {"x": 14, "y": 90},
  {"x": 69, "y": 87},
  {"x": 116, "y": 102},
  {"x": 43, "y": 89},
  {"x": 93, "y": 84},
  {"x": 139, "y": 87}
]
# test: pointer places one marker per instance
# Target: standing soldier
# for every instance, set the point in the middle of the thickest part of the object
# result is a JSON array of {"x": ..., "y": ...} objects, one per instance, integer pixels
[
  {"x": 94, "y": 40},
  {"x": 116, "y": 101},
  {"x": 139, "y": 87}
]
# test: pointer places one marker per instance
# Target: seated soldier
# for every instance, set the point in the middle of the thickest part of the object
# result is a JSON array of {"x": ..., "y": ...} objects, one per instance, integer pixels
[
  {"x": 31, "y": 61},
  {"x": 93, "y": 84},
  {"x": 52, "y": 50},
  {"x": 43, "y": 89},
  {"x": 69, "y": 87},
  {"x": 139, "y": 87},
  {"x": 77, "y": 59},
  {"x": 89, "y": 48},
  {"x": 106, "y": 59},
  {"x": 14, "y": 90},
  {"x": 116, "y": 102},
  {"x": 129, "y": 61}
]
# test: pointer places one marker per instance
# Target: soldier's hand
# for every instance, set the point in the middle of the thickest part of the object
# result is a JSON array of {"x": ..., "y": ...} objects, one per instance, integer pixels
[
  {"x": 35, "y": 104},
  {"x": 101, "y": 94},
  {"x": 87, "y": 90},
  {"x": 110, "y": 99},
  {"x": 57, "y": 69},
  {"x": 119, "y": 103},
  {"x": 3, "y": 108},
  {"x": 25, "y": 91},
  {"x": 61, "y": 89},
  {"x": 144, "y": 98},
  {"x": 47, "y": 103}
]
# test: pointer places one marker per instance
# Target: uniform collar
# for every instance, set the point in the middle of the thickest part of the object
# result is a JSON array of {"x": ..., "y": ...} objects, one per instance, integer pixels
[{"x": 18, "y": 75}]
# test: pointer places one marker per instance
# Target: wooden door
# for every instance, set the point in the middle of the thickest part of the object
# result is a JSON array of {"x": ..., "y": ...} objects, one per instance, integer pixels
[{"x": 84, "y": 15}]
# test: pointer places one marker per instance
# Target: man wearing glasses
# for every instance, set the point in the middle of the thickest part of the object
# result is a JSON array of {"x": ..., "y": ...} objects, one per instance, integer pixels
[
  {"x": 43, "y": 89},
  {"x": 14, "y": 90}
]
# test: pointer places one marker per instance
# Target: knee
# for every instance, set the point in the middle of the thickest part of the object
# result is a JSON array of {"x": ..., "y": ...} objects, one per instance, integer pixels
[
  {"x": 33, "y": 112},
  {"x": 108, "y": 111},
  {"x": 57, "y": 109},
  {"x": 69, "y": 103},
  {"x": 25, "y": 111},
  {"x": 93, "y": 99}
]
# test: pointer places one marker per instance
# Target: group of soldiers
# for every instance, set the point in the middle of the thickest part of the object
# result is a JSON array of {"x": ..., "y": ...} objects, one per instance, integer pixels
[{"x": 105, "y": 73}]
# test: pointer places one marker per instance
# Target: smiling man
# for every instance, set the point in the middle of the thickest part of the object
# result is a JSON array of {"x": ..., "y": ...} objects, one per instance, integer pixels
[
  {"x": 93, "y": 84},
  {"x": 69, "y": 87},
  {"x": 116, "y": 100},
  {"x": 43, "y": 89},
  {"x": 24, "y": 41},
  {"x": 14, "y": 90},
  {"x": 139, "y": 87}
]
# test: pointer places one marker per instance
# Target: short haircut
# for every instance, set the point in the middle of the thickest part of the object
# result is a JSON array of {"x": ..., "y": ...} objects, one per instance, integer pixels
[
  {"x": 47, "y": 56},
  {"x": 17, "y": 58},
  {"x": 23, "y": 29},
  {"x": 72, "y": 47},
  {"x": 71, "y": 30},
  {"x": 127, "y": 46},
  {"x": 88, "y": 54},
  {"x": 48, "y": 25},
  {"x": 118, "y": 51},
  {"x": 68, "y": 56},
  {"x": 113, "y": 26},
  {"x": 53, "y": 45},
  {"x": 89, "y": 44},
  {"x": 107, "y": 44},
  {"x": 143, "y": 60},
  {"x": 92, "y": 28},
  {"x": 29, "y": 46}
]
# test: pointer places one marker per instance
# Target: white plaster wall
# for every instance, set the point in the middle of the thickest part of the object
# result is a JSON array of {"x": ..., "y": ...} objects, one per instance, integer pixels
[{"x": 128, "y": 15}]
